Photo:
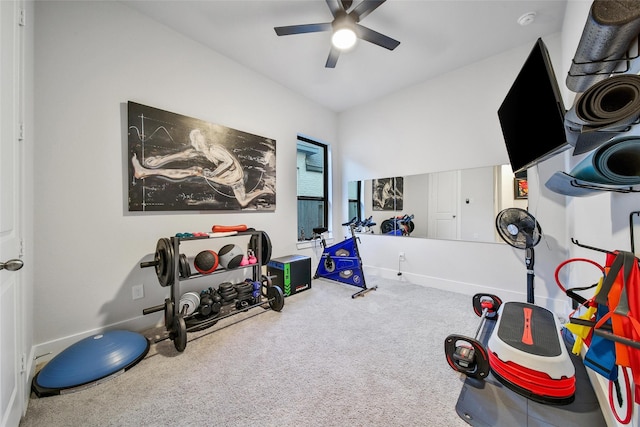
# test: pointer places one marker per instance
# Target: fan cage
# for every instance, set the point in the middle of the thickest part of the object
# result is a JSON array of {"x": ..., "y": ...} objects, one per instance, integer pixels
[{"x": 518, "y": 228}]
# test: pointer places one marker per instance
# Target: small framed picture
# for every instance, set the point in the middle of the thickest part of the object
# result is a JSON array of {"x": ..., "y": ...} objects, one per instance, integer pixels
[{"x": 520, "y": 188}]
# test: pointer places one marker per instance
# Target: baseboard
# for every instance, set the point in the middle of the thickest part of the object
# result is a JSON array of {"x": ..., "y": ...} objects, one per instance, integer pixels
[
  {"x": 560, "y": 307},
  {"x": 27, "y": 375}
]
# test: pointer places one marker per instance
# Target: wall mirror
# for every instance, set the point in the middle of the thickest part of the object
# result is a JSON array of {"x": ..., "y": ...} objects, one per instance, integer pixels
[{"x": 451, "y": 205}]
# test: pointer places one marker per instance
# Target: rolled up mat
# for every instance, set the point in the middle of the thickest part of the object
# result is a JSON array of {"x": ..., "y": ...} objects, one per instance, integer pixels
[
  {"x": 615, "y": 165},
  {"x": 606, "y": 110},
  {"x": 610, "y": 28}
]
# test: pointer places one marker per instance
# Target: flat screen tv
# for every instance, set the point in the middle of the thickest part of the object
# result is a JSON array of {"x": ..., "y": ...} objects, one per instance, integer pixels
[{"x": 532, "y": 114}]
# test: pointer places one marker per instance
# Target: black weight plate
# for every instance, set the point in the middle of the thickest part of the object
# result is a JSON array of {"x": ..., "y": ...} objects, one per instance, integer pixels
[
  {"x": 266, "y": 247},
  {"x": 185, "y": 268},
  {"x": 226, "y": 292},
  {"x": 230, "y": 296},
  {"x": 265, "y": 284},
  {"x": 180, "y": 334},
  {"x": 164, "y": 262},
  {"x": 225, "y": 286},
  {"x": 244, "y": 288},
  {"x": 276, "y": 298},
  {"x": 168, "y": 313}
]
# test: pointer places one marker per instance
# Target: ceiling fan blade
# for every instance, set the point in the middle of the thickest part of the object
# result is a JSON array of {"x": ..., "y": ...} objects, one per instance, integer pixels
[
  {"x": 334, "y": 6},
  {"x": 376, "y": 38},
  {"x": 301, "y": 29},
  {"x": 365, "y": 8},
  {"x": 332, "y": 60}
]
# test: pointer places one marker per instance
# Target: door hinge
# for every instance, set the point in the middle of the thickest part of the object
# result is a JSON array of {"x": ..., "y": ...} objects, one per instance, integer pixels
[
  {"x": 22, "y": 18},
  {"x": 20, "y": 131},
  {"x": 23, "y": 363},
  {"x": 21, "y": 250}
]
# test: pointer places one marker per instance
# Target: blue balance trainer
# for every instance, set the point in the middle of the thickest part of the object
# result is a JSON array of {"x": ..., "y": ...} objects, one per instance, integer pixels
[{"x": 89, "y": 362}]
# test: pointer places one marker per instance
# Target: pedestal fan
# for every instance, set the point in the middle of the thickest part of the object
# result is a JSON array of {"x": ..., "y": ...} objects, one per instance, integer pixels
[{"x": 519, "y": 228}]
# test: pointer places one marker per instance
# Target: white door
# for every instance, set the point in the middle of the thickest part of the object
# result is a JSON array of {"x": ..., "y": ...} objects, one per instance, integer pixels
[
  {"x": 11, "y": 388},
  {"x": 443, "y": 205}
]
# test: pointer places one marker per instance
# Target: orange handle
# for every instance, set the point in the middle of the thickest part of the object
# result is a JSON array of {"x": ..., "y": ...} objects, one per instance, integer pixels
[{"x": 226, "y": 228}]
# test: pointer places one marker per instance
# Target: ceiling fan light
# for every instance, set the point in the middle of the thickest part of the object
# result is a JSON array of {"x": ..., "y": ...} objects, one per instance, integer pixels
[{"x": 344, "y": 38}]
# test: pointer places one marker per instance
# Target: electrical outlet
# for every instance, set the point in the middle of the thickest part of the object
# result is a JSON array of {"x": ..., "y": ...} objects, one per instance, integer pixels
[
  {"x": 137, "y": 292},
  {"x": 401, "y": 256}
]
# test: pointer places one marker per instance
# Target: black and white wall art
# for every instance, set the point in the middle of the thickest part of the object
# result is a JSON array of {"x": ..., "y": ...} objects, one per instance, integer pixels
[
  {"x": 388, "y": 194},
  {"x": 178, "y": 163}
]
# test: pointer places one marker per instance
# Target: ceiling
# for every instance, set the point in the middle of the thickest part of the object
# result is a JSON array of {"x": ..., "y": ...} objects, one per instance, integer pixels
[{"x": 436, "y": 36}]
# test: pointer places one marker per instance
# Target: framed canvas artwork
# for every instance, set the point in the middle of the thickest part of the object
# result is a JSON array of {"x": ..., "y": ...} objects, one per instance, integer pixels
[
  {"x": 178, "y": 163},
  {"x": 387, "y": 194},
  {"x": 520, "y": 188}
]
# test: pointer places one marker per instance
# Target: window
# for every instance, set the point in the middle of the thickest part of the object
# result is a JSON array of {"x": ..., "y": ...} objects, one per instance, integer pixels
[
  {"x": 355, "y": 209},
  {"x": 313, "y": 185}
]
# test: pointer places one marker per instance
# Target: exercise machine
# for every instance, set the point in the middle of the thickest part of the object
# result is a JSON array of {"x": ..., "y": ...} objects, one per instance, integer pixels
[
  {"x": 487, "y": 400},
  {"x": 524, "y": 351},
  {"x": 401, "y": 225},
  {"x": 341, "y": 262},
  {"x": 361, "y": 226}
]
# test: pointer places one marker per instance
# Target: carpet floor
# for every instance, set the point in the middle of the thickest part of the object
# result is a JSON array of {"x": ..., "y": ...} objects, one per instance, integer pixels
[{"x": 324, "y": 360}]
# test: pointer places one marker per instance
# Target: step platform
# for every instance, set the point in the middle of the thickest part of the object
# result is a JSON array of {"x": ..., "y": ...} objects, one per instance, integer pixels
[
  {"x": 526, "y": 354},
  {"x": 493, "y": 401}
]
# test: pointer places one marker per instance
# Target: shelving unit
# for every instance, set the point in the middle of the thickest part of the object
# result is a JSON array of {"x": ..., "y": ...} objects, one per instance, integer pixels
[{"x": 167, "y": 265}]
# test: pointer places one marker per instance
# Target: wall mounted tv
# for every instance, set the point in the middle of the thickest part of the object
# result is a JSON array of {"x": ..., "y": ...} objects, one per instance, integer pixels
[{"x": 532, "y": 114}]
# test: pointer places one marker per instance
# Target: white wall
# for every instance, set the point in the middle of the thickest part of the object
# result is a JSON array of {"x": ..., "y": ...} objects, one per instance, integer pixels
[
  {"x": 90, "y": 59},
  {"x": 446, "y": 123}
]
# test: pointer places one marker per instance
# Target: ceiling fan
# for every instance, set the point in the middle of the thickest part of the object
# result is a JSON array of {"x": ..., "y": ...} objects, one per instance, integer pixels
[{"x": 345, "y": 24}]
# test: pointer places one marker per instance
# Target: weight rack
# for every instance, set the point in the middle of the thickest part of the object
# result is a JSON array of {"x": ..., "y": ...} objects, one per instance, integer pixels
[{"x": 167, "y": 266}]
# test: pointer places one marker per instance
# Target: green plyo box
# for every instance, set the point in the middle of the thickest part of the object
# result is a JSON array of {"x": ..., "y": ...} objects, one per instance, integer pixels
[{"x": 292, "y": 273}]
